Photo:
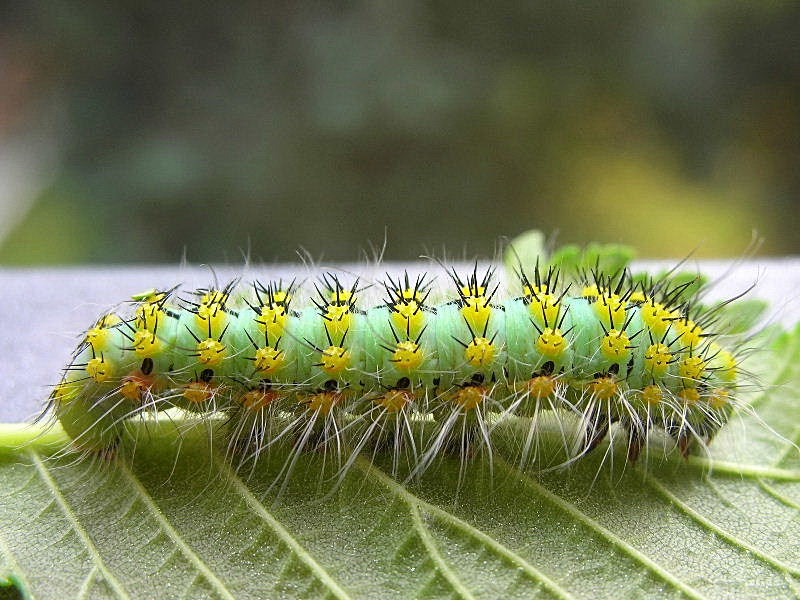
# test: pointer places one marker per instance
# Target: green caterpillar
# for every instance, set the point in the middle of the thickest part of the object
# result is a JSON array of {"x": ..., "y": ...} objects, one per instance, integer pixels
[{"x": 398, "y": 363}]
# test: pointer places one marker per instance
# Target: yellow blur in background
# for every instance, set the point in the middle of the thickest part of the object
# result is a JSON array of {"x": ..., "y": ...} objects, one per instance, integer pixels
[{"x": 146, "y": 131}]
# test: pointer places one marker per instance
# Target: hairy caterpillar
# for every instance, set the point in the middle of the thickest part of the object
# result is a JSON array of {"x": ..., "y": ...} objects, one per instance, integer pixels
[{"x": 398, "y": 364}]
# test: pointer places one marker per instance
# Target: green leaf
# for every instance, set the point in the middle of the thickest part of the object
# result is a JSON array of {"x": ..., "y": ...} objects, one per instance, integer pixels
[
  {"x": 681, "y": 286},
  {"x": 530, "y": 248},
  {"x": 740, "y": 316},
  {"x": 176, "y": 521},
  {"x": 607, "y": 258},
  {"x": 526, "y": 249}
]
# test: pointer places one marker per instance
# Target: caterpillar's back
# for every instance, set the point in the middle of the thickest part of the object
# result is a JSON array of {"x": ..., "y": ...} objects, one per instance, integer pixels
[{"x": 401, "y": 366}]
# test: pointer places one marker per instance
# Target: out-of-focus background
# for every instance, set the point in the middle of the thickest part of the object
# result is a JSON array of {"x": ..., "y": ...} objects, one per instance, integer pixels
[{"x": 140, "y": 131}]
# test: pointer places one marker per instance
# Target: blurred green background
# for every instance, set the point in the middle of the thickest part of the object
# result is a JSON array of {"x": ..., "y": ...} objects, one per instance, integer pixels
[{"x": 136, "y": 131}]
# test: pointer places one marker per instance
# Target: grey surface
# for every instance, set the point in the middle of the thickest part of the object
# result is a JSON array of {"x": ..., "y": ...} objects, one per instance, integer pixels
[{"x": 45, "y": 310}]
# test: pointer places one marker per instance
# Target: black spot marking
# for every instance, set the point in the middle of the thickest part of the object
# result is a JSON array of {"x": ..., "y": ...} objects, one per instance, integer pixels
[
  {"x": 147, "y": 366},
  {"x": 206, "y": 375}
]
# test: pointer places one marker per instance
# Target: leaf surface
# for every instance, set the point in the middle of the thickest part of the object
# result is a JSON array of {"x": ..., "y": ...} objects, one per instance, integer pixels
[{"x": 176, "y": 521}]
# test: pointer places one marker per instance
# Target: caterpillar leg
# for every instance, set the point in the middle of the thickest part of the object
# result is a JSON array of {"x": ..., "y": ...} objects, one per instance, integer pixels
[
  {"x": 597, "y": 424},
  {"x": 636, "y": 441},
  {"x": 254, "y": 417}
]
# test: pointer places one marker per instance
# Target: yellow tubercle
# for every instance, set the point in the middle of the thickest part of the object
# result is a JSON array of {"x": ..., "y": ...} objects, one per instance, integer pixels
[
  {"x": 720, "y": 398},
  {"x": 408, "y": 318},
  {"x": 135, "y": 387},
  {"x": 691, "y": 333},
  {"x": 335, "y": 359},
  {"x": 637, "y": 297},
  {"x": 324, "y": 402},
  {"x": 269, "y": 360},
  {"x": 477, "y": 311},
  {"x": 610, "y": 309},
  {"x": 146, "y": 343},
  {"x": 534, "y": 290},
  {"x": 653, "y": 395},
  {"x": 592, "y": 291},
  {"x": 101, "y": 335},
  {"x": 214, "y": 297},
  {"x": 213, "y": 313},
  {"x": 99, "y": 369},
  {"x": 656, "y": 316},
  {"x": 258, "y": 399},
  {"x": 692, "y": 369},
  {"x": 544, "y": 309},
  {"x": 480, "y": 352},
  {"x": 65, "y": 391},
  {"x": 109, "y": 320},
  {"x": 210, "y": 351},
  {"x": 551, "y": 343},
  {"x": 729, "y": 366},
  {"x": 604, "y": 388},
  {"x": 99, "y": 338},
  {"x": 616, "y": 345},
  {"x": 473, "y": 291},
  {"x": 338, "y": 320},
  {"x": 149, "y": 315},
  {"x": 395, "y": 400},
  {"x": 273, "y": 320},
  {"x": 410, "y": 294},
  {"x": 281, "y": 297},
  {"x": 657, "y": 359},
  {"x": 344, "y": 298},
  {"x": 689, "y": 395},
  {"x": 198, "y": 392},
  {"x": 407, "y": 356},
  {"x": 542, "y": 386},
  {"x": 470, "y": 397}
]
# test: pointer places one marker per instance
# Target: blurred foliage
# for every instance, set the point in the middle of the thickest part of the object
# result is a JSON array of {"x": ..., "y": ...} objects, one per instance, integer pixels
[{"x": 217, "y": 128}]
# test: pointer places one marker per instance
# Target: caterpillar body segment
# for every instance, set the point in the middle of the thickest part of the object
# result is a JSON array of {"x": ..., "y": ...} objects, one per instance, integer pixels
[{"x": 341, "y": 366}]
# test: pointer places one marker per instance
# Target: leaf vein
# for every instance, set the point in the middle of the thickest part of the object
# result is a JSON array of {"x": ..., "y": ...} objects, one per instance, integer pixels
[
  {"x": 370, "y": 470},
  {"x": 609, "y": 535},
  {"x": 438, "y": 559},
  {"x": 783, "y": 498},
  {"x": 87, "y": 584},
  {"x": 44, "y": 473},
  {"x": 725, "y": 535},
  {"x": 744, "y": 470},
  {"x": 300, "y": 551},
  {"x": 172, "y": 534}
]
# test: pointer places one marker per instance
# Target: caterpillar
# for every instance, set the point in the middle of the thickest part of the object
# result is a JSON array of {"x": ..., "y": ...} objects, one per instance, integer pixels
[{"x": 401, "y": 364}]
